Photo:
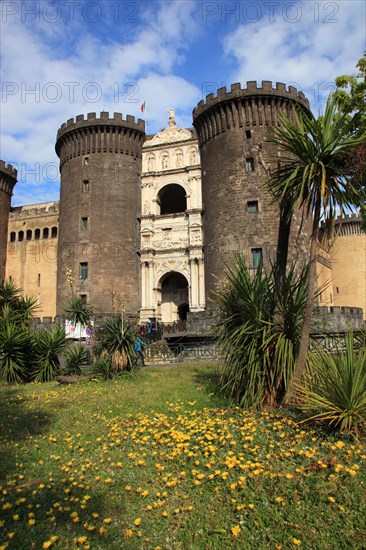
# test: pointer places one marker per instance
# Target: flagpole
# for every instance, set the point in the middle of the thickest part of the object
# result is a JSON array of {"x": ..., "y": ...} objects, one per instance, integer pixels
[{"x": 143, "y": 110}]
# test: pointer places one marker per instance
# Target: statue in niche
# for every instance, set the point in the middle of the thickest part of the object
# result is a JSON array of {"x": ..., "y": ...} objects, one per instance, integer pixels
[
  {"x": 179, "y": 161},
  {"x": 150, "y": 164},
  {"x": 192, "y": 157},
  {"x": 164, "y": 162}
]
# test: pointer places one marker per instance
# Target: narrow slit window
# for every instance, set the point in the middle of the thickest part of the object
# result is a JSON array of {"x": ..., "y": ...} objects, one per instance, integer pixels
[
  {"x": 85, "y": 223},
  {"x": 249, "y": 162},
  {"x": 257, "y": 257},
  {"x": 83, "y": 271}
]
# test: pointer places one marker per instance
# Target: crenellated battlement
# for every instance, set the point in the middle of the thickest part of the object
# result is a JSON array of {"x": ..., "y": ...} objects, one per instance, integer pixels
[
  {"x": 346, "y": 225},
  {"x": 8, "y": 169},
  {"x": 82, "y": 136},
  {"x": 249, "y": 107},
  {"x": 91, "y": 119},
  {"x": 252, "y": 89},
  {"x": 8, "y": 177},
  {"x": 348, "y": 219},
  {"x": 34, "y": 210}
]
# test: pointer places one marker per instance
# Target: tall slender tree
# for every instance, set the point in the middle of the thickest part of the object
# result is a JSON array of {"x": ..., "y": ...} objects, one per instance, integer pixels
[{"x": 314, "y": 176}]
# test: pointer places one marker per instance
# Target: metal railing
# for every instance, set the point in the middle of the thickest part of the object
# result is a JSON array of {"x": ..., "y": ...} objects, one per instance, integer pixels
[{"x": 206, "y": 350}]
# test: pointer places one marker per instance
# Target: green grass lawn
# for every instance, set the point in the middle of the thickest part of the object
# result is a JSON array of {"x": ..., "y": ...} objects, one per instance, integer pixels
[{"x": 158, "y": 459}]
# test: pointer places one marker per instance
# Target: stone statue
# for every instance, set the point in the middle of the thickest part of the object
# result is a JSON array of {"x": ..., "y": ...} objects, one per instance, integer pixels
[
  {"x": 179, "y": 161},
  {"x": 171, "y": 117},
  {"x": 164, "y": 162},
  {"x": 150, "y": 164},
  {"x": 192, "y": 157}
]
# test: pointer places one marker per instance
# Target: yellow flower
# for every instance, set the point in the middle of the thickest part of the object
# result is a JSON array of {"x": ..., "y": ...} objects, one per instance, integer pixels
[
  {"x": 137, "y": 521},
  {"x": 127, "y": 533},
  {"x": 235, "y": 530},
  {"x": 165, "y": 514},
  {"x": 296, "y": 542},
  {"x": 31, "y": 522},
  {"x": 331, "y": 499},
  {"x": 107, "y": 520}
]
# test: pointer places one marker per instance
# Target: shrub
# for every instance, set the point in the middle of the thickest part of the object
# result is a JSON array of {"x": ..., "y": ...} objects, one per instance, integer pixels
[
  {"x": 335, "y": 389},
  {"x": 116, "y": 337},
  {"x": 15, "y": 352},
  {"x": 103, "y": 367},
  {"x": 259, "y": 332},
  {"x": 75, "y": 359},
  {"x": 49, "y": 345}
]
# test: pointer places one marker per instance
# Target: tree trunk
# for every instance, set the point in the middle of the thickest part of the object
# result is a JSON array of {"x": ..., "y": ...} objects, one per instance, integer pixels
[
  {"x": 283, "y": 244},
  {"x": 306, "y": 326}
]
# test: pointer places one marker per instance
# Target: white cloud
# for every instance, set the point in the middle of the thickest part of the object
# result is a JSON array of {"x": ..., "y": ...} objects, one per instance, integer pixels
[
  {"x": 309, "y": 52},
  {"x": 126, "y": 69}
]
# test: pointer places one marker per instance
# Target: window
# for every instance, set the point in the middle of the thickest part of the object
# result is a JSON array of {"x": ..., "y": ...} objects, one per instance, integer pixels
[
  {"x": 39, "y": 279},
  {"x": 248, "y": 134},
  {"x": 54, "y": 232},
  {"x": 86, "y": 161},
  {"x": 84, "y": 270},
  {"x": 249, "y": 163},
  {"x": 83, "y": 298},
  {"x": 21, "y": 236},
  {"x": 337, "y": 289},
  {"x": 257, "y": 257},
  {"x": 37, "y": 234},
  {"x": 85, "y": 224},
  {"x": 85, "y": 187},
  {"x": 12, "y": 237},
  {"x": 29, "y": 234},
  {"x": 252, "y": 207},
  {"x": 46, "y": 232}
]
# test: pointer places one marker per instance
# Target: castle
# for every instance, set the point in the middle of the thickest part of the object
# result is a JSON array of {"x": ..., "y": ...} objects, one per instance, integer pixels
[{"x": 155, "y": 218}]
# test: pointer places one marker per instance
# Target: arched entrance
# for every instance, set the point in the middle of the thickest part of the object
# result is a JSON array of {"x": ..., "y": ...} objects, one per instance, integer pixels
[{"x": 174, "y": 297}]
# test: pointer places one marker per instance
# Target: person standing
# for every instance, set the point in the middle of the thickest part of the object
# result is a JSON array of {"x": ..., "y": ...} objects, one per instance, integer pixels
[{"x": 139, "y": 348}]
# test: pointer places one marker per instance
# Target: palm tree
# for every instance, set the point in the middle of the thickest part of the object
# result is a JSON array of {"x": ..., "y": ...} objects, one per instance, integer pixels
[{"x": 314, "y": 176}]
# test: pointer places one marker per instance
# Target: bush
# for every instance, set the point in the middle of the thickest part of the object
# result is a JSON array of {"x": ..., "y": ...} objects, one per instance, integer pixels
[
  {"x": 103, "y": 367},
  {"x": 48, "y": 346},
  {"x": 75, "y": 359},
  {"x": 116, "y": 338},
  {"x": 15, "y": 352},
  {"x": 259, "y": 332},
  {"x": 335, "y": 388}
]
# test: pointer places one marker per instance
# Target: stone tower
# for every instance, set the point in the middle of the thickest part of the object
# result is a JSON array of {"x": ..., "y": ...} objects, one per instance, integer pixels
[
  {"x": 8, "y": 178},
  {"x": 100, "y": 165},
  {"x": 233, "y": 129}
]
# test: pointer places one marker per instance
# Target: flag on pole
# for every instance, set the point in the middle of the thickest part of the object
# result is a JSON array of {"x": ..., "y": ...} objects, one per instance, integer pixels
[{"x": 143, "y": 106}]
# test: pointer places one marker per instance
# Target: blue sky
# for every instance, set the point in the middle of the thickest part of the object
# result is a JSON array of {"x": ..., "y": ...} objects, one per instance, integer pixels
[{"x": 62, "y": 58}]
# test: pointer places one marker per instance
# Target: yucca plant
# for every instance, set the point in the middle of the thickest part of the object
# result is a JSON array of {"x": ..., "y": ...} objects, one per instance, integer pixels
[
  {"x": 259, "y": 332},
  {"x": 335, "y": 387},
  {"x": 15, "y": 350},
  {"x": 116, "y": 337},
  {"x": 103, "y": 367},
  {"x": 49, "y": 345},
  {"x": 75, "y": 359}
]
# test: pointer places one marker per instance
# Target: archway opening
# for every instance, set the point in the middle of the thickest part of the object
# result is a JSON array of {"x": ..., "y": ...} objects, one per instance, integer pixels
[
  {"x": 174, "y": 297},
  {"x": 172, "y": 199}
]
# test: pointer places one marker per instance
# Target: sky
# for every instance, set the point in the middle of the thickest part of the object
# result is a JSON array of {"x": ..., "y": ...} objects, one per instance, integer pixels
[{"x": 68, "y": 57}]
